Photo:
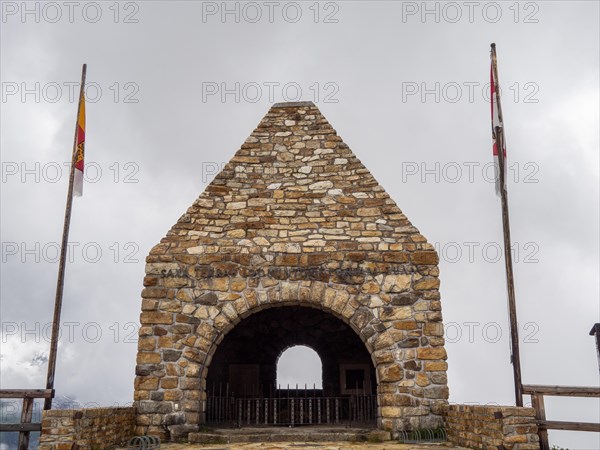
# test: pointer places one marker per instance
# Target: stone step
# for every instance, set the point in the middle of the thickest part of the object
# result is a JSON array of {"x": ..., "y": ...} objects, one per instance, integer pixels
[{"x": 281, "y": 434}]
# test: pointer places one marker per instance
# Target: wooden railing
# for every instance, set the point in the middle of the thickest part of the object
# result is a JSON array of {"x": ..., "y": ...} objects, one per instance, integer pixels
[
  {"x": 25, "y": 426},
  {"x": 537, "y": 393}
]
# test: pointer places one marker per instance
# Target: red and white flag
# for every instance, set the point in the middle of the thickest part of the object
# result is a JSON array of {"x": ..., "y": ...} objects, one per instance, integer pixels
[{"x": 496, "y": 126}]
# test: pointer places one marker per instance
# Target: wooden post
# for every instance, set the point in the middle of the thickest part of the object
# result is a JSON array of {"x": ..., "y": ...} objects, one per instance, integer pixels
[
  {"x": 63, "y": 256},
  {"x": 514, "y": 332},
  {"x": 26, "y": 414},
  {"x": 512, "y": 308},
  {"x": 537, "y": 401}
]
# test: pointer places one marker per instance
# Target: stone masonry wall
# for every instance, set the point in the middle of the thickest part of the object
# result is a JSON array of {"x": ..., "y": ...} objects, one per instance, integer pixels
[
  {"x": 91, "y": 428},
  {"x": 492, "y": 427},
  {"x": 293, "y": 219}
]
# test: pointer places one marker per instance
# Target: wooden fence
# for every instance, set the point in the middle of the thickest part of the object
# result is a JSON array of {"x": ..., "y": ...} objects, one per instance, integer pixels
[
  {"x": 25, "y": 426},
  {"x": 537, "y": 393}
]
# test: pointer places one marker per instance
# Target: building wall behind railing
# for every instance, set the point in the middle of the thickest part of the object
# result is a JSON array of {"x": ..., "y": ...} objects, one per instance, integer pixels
[
  {"x": 492, "y": 427},
  {"x": 90, "y": 428}
]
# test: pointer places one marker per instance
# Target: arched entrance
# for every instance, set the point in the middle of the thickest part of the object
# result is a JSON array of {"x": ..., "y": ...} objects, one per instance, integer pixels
[{"x": 242, "y": 386}]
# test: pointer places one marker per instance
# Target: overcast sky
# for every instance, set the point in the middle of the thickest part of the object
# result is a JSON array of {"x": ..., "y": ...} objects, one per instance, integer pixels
[{"x": 174, "y": 88}]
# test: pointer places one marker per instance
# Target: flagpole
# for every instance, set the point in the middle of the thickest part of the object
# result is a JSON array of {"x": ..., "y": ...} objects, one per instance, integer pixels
[
  {"x": 63, "y": 256},
  {"x": 514, "y": 331}
]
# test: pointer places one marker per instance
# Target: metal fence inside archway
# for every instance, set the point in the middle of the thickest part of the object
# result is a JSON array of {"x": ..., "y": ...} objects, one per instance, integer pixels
[{"x": 289, "y": 407}]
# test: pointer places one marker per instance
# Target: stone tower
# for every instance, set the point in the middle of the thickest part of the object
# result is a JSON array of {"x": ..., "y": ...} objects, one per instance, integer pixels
[{"x": 294, "y": 230}]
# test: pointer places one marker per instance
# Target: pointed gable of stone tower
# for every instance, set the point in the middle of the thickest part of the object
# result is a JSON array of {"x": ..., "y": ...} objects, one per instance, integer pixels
[
  {"x": 293, "y": 220},
  {"x": 295, "y": 188}
]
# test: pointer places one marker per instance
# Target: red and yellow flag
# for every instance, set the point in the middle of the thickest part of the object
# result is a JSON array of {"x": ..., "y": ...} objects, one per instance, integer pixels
[{"x": 79, "y": 150}]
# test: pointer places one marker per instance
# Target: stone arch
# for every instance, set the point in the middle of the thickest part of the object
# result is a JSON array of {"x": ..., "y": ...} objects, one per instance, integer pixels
[
  {"x": 373, "y": 317},
  {"x": 338, "y": 301},
  {"x": 321, "y": 348},
  {"x": 383, "y": 312}
]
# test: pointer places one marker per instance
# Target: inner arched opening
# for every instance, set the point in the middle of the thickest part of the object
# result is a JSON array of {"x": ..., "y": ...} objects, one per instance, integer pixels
[
  {"x": 299, "y": 366},
  {"x": 244, "y": 368}
]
